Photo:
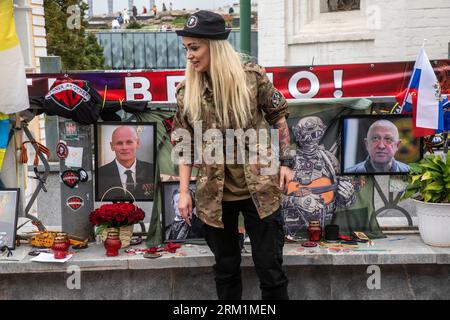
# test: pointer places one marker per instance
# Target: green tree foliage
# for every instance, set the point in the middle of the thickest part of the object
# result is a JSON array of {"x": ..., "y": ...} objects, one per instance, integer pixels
[{"x": 65, "y": 38}]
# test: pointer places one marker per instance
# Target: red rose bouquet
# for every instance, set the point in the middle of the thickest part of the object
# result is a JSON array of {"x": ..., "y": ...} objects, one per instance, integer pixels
[{"x": 115, "y": 215}]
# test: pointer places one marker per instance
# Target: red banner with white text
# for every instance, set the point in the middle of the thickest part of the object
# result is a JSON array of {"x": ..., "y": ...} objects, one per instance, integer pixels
[{"x": 330, "y": 81}]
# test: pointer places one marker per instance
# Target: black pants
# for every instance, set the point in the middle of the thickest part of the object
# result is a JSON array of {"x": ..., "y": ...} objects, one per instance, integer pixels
[{"x": 267, "y": 240}]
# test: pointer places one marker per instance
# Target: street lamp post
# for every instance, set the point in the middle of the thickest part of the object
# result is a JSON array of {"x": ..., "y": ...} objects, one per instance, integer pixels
[{"x": 245, "y": 25}]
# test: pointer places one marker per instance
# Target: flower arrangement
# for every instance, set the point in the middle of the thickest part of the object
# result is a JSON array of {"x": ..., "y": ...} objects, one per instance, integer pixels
[{"x": 115, "y": 215}]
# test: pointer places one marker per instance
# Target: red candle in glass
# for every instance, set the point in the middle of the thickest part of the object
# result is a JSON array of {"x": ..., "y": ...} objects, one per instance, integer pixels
[
  {"x": 65, "y": 235},
  {"x": 314, "y": 231},
  {"x": 60, "y": 247},
  {"x": 112, "y": 244}
]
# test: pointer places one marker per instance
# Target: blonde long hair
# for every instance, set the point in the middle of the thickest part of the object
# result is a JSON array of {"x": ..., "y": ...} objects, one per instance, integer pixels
[{"x": 230, "y": 90}]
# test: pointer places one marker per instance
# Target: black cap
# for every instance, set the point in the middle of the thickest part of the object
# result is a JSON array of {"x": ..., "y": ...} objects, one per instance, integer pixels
[{"x": 205, "y": 24}]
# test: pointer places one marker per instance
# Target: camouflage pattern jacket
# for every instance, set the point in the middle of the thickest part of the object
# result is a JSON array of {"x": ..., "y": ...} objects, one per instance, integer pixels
[{"x": 266, "y": 103}]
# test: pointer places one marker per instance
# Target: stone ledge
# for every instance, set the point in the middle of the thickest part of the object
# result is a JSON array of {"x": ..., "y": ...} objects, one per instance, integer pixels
[{"x": 410, "y": 251}]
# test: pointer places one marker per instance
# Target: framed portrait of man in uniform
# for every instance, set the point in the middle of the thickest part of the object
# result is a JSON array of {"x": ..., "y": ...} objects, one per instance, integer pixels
[
  {"x": 174, "y": 228},
  {"x": 378, "y": 144},
  {"x": 9, "y": 203},
  {"x": 125, "y": 161}
]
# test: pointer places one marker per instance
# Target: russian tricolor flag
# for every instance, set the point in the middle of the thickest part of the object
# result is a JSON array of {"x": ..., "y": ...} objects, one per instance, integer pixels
[{"x": 423, "y": 98}]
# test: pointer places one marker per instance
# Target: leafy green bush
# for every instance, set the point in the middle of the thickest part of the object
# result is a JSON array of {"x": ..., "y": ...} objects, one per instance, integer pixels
[
  {"x": 179, "y": 22},
  {"x": 134, "y": 25},
  {"x": 429, "y": 180}
]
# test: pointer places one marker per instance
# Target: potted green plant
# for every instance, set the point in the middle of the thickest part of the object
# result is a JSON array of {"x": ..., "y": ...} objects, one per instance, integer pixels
[{"x": 429, "y": 187}]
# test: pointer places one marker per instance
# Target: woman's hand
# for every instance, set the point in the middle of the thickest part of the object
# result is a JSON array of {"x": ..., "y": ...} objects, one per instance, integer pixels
[
  {"x": 286, "y": 176},
  {"x": 185, "y": 206}
]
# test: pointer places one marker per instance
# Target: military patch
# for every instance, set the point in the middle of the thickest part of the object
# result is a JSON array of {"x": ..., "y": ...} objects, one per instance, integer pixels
[
  {"x": 70, "y": 178},
  {"x": 70, "y": 130},
  {"x": 83, "y": 175},
  {"x": 276, "y": 99},
  {"x": 192, "y": 21},
  {"x": 75, "y": 203},
  {"x": 62, "y": 151},
  {"x": 148, "y": 189}
]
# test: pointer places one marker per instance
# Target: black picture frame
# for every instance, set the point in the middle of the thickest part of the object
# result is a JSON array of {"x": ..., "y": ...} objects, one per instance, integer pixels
[
  {"x": 9, "y": 213},
  {"x": 411, "y": 147},
  {"x": 107, "y": 175},
  {"x": 178, "y": 231}
]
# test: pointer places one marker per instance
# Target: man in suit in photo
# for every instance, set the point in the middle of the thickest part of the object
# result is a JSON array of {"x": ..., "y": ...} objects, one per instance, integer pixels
[{"x": 126, "y": 171}]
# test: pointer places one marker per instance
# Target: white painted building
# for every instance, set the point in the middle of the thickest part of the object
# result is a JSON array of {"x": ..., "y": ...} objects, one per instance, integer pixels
[
  {"x": 294, "y": 32},
  {"x": 30, "y": 26}
]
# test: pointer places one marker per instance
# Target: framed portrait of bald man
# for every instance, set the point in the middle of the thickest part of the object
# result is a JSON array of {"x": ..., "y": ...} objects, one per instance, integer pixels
[
  {"x": 9, "y": 203},
  {"x": 378, "y": 144},
  {"x": 125, "y": 161}
]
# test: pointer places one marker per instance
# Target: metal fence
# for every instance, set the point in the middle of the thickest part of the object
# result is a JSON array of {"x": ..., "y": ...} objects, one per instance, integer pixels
[{"x": 152, "y": 50}]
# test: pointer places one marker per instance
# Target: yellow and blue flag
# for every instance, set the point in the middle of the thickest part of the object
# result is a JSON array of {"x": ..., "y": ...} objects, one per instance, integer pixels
[
  {"x": 4, "y": 136},
  {"x": 13, "y": 83}
]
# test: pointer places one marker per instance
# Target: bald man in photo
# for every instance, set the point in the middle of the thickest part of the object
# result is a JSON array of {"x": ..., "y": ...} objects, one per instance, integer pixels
[
  {"x": 126, "y": 171},
  {"x": 382, "y": 142}
]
